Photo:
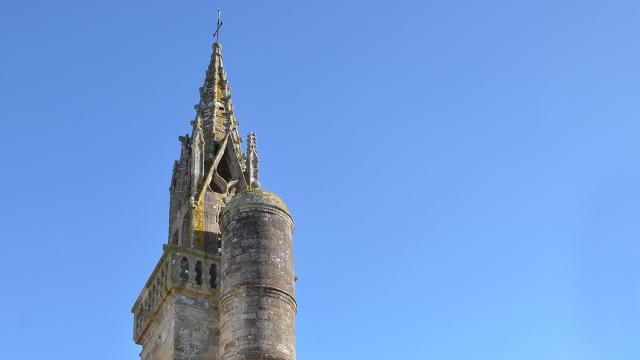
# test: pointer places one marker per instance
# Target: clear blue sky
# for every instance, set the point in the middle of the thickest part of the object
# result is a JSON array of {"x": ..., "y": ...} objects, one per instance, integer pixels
[{"x": 464, "y": 174}]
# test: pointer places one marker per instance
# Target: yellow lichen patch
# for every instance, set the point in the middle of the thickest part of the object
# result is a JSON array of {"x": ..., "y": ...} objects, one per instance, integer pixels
[
  {"x": 198, "y": 215},
  {"x": 219, "y": 94},
  {"x": 199, "y": 223}
]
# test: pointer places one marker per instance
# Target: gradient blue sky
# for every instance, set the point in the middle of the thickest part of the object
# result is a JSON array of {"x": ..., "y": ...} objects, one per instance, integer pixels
[{"x": 464, "y": 174}]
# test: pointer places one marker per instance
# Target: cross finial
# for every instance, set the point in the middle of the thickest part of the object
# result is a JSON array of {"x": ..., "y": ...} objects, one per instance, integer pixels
[{"x": 218, "y": 26}]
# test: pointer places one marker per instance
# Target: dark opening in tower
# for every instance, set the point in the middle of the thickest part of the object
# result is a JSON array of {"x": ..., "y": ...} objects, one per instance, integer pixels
[{"x": 224, "y": 171}]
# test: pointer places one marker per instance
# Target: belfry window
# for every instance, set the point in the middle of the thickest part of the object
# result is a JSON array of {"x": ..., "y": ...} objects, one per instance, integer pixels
[{"x": 224, "y": 171}]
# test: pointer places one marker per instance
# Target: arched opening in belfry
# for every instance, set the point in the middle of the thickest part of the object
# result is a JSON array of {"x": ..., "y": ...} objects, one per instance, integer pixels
[
  {"x": 199, "y": 272},
  {"x": 224, "y": 171}
]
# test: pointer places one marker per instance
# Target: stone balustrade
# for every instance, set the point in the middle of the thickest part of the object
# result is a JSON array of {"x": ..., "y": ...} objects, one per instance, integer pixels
[{"x": 180, "y": 269}]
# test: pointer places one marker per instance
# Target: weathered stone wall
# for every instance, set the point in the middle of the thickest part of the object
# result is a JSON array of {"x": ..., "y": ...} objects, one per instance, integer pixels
[
  {"x": 187, "y": 329},
  {"x": 159, "y": 344},
  {"x": 196, "y": 329},
  {"x": 257, "y": 306},
  {"x": 176, "y": 315}
]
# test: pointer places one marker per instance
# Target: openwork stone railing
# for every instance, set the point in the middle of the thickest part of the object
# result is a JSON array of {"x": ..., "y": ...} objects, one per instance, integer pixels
[{"x": 180, "y": 269}]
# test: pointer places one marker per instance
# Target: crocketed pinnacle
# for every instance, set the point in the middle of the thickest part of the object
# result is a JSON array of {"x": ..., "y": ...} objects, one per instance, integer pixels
[{"x": 251, "y": 167}]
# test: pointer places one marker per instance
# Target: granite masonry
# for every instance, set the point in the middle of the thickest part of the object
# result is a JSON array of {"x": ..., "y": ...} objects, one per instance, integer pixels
[{"x": 223, "y": 288}]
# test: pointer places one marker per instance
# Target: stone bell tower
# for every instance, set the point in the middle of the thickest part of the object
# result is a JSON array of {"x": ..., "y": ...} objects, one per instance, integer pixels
[{"x": 224, "y": 285}]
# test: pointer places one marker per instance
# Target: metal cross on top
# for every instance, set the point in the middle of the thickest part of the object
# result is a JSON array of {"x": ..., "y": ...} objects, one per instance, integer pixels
[{"x": 218, "y": 26}]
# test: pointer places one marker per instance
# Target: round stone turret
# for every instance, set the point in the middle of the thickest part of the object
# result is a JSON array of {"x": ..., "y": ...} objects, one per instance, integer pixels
[{"x": 257, "y": 304}]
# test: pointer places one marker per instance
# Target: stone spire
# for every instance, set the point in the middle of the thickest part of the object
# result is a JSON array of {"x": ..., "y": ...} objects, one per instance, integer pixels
[
  {"x": 211, "y": 165},
  {"x": 215, "y": 106}
]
